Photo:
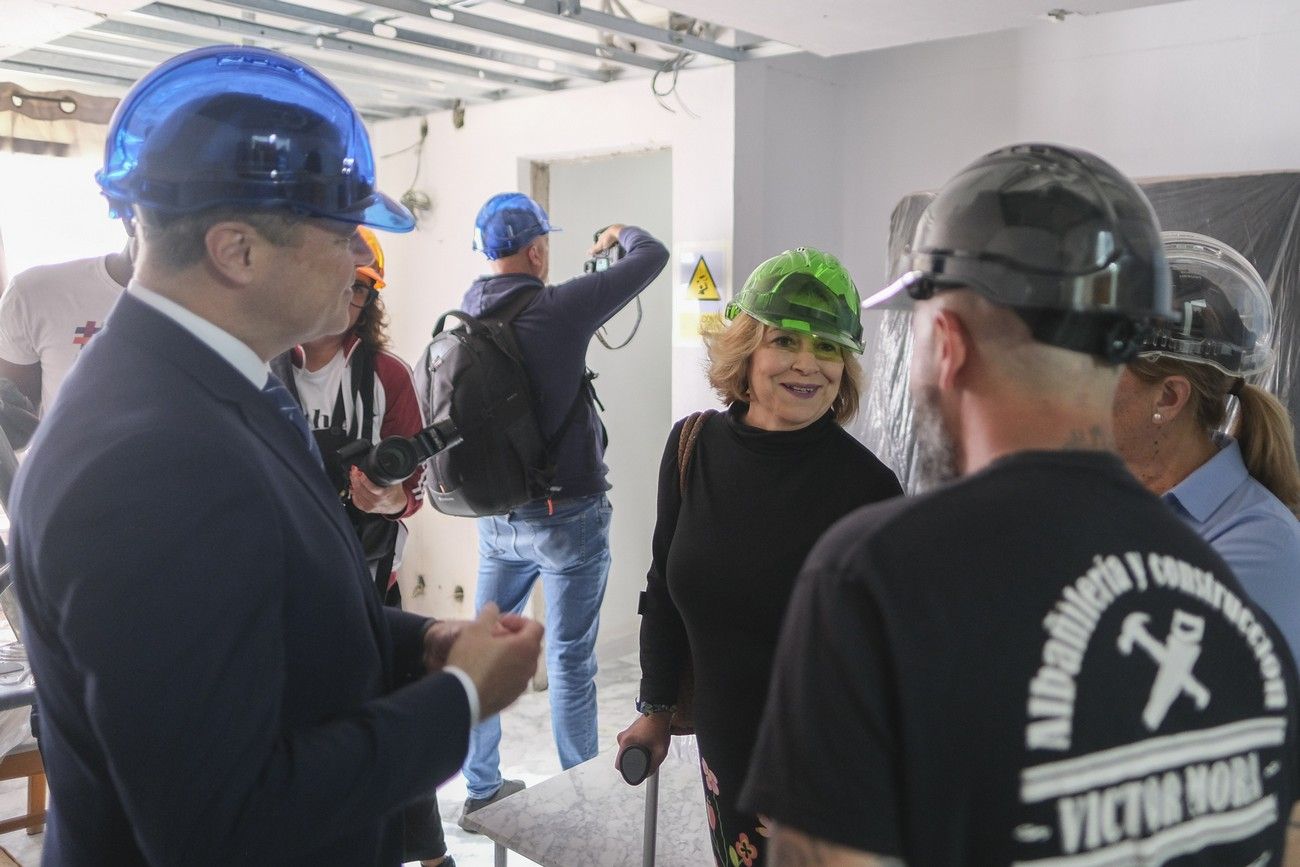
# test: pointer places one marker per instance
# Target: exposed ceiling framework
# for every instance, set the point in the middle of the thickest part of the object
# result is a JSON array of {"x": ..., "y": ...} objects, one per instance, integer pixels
[
  {"x": 833, "y": 27},
  {"x": 392, "y": 57},
  {"x": 403, "y": 57}
]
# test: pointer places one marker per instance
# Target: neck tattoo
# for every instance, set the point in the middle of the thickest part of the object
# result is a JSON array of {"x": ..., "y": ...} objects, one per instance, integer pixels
[{"x": 1094, "y": 438}]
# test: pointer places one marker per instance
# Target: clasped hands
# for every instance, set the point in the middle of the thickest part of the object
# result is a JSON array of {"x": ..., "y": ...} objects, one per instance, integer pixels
[{"x": 498, "y": 651}]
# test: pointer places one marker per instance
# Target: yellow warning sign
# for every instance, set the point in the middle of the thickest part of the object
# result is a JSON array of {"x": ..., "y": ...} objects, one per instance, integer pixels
[
  {"x": 692, "y": 323},
  {"x": 703, "y": 287}
]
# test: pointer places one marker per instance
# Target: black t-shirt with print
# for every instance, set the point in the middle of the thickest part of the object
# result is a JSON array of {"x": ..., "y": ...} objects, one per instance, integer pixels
[{"x": 1036, "y": 665}]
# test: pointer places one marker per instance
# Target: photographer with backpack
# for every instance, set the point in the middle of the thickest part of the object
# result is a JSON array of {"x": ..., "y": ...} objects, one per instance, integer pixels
[{"x": 562, "y": 536}]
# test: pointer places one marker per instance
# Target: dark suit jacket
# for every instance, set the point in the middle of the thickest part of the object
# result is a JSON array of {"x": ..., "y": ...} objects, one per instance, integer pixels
[{"x": 217, "y": 681}]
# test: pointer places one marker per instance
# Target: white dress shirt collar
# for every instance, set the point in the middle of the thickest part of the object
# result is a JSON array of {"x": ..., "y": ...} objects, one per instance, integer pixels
[{"x": 236, "y": 353}]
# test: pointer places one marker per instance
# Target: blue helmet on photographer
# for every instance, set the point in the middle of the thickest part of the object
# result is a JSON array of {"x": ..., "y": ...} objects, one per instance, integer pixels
[{"x": 507, "y": 222}]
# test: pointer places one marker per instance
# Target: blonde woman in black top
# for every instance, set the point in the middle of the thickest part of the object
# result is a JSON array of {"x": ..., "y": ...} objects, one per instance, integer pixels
[{"x": 763, "y": 481}]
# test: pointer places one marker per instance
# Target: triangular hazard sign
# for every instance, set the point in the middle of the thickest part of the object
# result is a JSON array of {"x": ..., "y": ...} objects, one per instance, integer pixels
[{"x": 702, "y": 285}]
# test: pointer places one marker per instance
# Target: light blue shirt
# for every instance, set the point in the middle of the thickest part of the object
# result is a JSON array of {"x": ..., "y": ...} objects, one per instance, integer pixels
[{"x": 1250, "y": 529}]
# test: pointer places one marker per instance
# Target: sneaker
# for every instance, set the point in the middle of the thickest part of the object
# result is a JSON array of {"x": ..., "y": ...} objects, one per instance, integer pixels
[{"x": 508, "y": 788}]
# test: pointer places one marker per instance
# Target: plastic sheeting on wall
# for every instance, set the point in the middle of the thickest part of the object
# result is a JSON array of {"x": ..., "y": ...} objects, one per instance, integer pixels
[{"x": 1258, "y": 214}]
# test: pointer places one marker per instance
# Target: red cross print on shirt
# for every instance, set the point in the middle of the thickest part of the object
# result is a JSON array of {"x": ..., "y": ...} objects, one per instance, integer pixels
[{"x": 85, "y": 332}]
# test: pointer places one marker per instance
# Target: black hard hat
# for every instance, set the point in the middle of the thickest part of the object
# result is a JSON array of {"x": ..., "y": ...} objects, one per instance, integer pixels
[{"x": 1055, "y": 233}]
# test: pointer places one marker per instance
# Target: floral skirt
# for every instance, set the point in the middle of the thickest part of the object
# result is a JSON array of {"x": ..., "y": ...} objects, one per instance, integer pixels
[{"x": 737, "y": 838}]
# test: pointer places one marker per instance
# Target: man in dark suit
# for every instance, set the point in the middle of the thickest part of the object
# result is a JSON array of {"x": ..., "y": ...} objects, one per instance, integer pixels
[{"x": 217, "y": 680}]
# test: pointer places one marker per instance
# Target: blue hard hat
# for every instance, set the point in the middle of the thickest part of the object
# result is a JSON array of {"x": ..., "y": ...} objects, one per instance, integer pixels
[
  {"x": 235, "y": 125},
  {"x": 507, "y": 223}
]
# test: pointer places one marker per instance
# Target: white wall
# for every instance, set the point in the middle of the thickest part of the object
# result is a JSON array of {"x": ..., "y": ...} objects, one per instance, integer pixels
[
  {"x": 789, "y": 159},
  {"x": 430, "y": 269},
  {"x": 1191, "y": 87}
]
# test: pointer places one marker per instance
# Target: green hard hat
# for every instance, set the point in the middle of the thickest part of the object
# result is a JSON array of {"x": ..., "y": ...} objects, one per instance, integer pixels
[{"x": 804, "y": 290}]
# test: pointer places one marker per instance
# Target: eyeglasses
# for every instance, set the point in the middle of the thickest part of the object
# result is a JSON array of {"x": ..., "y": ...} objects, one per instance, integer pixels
[{"x": 361, "y": 287}]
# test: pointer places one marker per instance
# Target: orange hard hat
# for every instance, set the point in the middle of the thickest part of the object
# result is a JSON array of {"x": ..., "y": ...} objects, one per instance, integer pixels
[{"x": 375, "y": 270}]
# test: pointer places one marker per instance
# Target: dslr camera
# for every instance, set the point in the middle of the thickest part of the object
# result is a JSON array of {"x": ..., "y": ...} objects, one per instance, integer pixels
[
  {"x": 602, "y": 260},
  {"x": 394, "y": 459}
]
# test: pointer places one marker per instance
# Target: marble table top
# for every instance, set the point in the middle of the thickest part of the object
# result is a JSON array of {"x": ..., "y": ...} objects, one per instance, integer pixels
[{"x": 588, "y": 817}]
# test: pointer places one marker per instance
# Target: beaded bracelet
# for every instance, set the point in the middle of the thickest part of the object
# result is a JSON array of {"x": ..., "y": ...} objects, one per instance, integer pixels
[{"x": 646, "y": 708}]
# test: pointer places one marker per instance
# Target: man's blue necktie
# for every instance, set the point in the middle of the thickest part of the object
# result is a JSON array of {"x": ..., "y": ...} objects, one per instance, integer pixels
[{"x": 287, "y": 404}]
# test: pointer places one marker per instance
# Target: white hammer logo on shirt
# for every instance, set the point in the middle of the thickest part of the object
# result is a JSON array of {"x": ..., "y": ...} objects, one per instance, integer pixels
[{"x": 1175, "y": 660}]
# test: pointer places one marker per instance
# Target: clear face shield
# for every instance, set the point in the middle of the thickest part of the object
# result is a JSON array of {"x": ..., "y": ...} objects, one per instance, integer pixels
[{"x": 1225, "y": 312}]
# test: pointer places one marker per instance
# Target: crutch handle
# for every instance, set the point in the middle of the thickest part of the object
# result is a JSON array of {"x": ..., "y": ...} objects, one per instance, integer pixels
[{"x": 634, "y": 764}]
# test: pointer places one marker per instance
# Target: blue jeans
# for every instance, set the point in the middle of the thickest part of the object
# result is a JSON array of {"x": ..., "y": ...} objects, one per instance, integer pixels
[{"x": 569, "y": 551}]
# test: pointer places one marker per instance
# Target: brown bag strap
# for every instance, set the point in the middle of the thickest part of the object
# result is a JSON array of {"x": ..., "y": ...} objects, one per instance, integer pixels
[
  {"x": 683, "y": 718},
  {"x": 691, "y": 427}
]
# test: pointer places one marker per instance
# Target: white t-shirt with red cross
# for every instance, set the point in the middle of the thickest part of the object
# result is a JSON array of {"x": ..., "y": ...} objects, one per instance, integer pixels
[{"x": 49, "y": 313}]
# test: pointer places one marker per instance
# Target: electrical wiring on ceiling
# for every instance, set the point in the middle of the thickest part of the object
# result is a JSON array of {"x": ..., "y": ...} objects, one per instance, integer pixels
[
  {"x": 671, "y": 67},
  {"x": 417, "y": 201}
]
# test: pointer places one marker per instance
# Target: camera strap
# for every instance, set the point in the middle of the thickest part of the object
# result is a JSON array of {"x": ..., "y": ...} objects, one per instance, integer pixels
[
  {"x": 377, "y": 534},
  {"x": 363, "y": 386}
]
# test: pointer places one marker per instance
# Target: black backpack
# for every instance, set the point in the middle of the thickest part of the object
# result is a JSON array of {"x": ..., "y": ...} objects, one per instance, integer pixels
[{"x": 474, "y": 375}]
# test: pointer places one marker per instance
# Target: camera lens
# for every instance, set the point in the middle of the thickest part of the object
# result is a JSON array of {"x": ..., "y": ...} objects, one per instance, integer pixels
[{"x": 392, "y": 463}]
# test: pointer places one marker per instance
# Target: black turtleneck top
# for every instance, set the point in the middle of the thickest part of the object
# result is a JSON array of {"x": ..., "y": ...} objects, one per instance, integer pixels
[{"x": 724, "y": 561}]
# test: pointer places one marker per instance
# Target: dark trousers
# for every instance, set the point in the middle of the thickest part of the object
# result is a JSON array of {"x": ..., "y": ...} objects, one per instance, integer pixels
[{"x": 423, "y": 840}]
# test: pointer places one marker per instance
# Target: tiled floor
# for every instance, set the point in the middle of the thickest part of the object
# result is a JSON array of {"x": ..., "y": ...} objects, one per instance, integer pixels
[{"x": 527, "y": 753}]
